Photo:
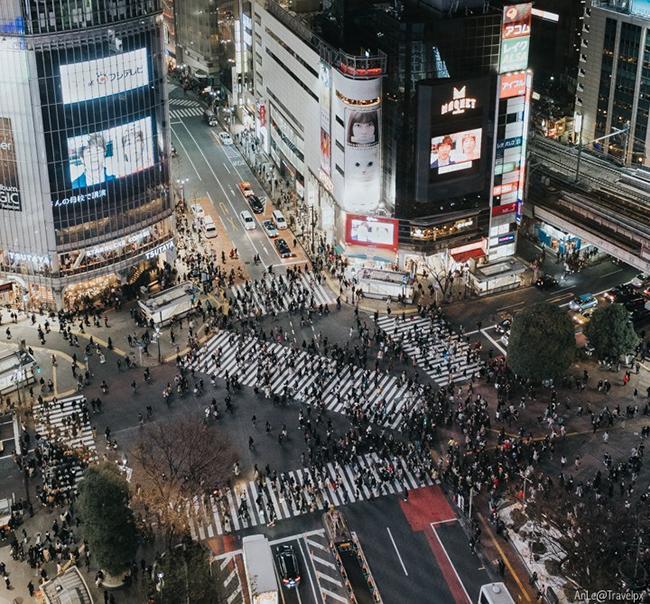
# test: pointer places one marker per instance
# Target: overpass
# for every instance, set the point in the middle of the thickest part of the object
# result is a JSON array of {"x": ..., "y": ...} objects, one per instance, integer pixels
[{"x": 609, "y": 207}]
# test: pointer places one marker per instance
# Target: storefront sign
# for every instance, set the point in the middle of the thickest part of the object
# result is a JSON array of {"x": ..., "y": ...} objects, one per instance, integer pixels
[
  {"x": 504, "y": 209},
  {"x": 459, "y": 104},
  {"x": 79, "y": 198},
  {"x": 9, "y": 187},
  {"x": 31, "y": 258},
  {"x": 102, "y": 249},
  {"x": 509, "y": 143},
  {"x": 503, "y": 190},
  {"x": 159, "y": 250},
  {"x": 506, "y": 238},
  {"x": 512, "y": 84}
]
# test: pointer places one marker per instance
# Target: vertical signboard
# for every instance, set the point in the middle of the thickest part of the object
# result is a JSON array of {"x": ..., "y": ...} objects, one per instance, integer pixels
[
  {"x": 325, "y": 75},
  {"x": 9, "y": 186},
  {"x": 362, "y": 158},
  {"x": 515, "y": 37}
]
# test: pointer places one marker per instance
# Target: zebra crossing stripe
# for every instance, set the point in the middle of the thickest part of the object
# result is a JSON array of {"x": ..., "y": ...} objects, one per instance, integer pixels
[{"x": 184, "y": 102}]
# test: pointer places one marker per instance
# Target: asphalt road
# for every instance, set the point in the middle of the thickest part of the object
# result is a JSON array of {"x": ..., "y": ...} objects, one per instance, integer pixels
[{"x": 210, "y": 169}]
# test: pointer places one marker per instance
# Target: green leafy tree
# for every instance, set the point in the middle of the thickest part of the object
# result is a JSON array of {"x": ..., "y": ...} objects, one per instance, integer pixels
[
  {"x": 610, "y": 332},
  {"x": 108, "y": 522},
  {"x": 542, "y": 342}
]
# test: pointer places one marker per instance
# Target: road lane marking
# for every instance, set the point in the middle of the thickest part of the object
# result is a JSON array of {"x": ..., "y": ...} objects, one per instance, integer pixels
[
  {"x": 306, "y": 557},
  {"x": 620, "y": 270},
  {"x": 397, "y": 552},
  {"x": 180, "y": 142},
  {"x": 503, "y": 557},
  {"x": 435, "y": 534},
  {"x": 489, "y": 337},
  {"x": 232, "y": 222},
  {"x": 511, "y": 305},
  {"x": 223, "y": 207}
]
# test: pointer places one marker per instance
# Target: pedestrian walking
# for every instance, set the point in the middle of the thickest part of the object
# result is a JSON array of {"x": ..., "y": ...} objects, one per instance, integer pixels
[{"x": 251, "y": 443}]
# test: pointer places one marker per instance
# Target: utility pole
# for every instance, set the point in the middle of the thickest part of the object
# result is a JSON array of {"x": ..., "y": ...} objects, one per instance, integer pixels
[
  {"x": 22, "y": 455},
  {"x": 582, "y": 145}
]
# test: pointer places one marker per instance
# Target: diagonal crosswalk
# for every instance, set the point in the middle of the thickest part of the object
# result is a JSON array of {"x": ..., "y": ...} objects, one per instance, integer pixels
[
  {"x": 301, "y": 491},
  {"x": 303, "y": 375},
  {"x": 439, "y": 351},
  {"x": 269, "y": 294}
]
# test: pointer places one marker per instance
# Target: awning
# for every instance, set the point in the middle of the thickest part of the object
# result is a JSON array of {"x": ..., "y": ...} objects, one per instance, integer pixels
[
  {"x": 339, "y": 249},
  {"x": 462, "y": 257}
]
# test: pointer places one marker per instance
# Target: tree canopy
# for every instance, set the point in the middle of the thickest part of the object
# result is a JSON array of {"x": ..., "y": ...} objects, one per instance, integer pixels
[
  {"x": 178, "y": 460},
  {"x": 542, "y": 342},
  {"x": 108, "y": 522},
  {"x": 611, "y": 332}
]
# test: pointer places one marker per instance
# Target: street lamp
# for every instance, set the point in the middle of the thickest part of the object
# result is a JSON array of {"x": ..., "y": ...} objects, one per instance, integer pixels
[{"x": 161, "y": 583}]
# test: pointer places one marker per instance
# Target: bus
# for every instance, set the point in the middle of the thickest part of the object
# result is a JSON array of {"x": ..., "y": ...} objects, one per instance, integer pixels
[{"x": 495, "y": 593}]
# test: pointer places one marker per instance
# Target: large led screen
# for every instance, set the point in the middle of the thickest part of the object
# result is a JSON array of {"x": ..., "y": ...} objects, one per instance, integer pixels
[
  {"x": 9, "y": 187},
  {"x": 456, "y": 151},
  {"x": 104, "y": 156},
  {"x": 366, "y": 230},
  {"x": 98, "y": 78}
]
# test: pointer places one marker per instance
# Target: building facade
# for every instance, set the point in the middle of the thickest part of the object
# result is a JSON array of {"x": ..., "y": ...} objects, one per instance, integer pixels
[
  {"x": 84, "y": 155},
  {"x": 401, "y": 141},
  {"x": 614, "y": 79}
]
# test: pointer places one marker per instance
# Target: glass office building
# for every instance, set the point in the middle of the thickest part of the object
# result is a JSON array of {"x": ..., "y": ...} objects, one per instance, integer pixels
[
  {"x": 614, "y": 79},
  {"x": 84, "y": 141}
]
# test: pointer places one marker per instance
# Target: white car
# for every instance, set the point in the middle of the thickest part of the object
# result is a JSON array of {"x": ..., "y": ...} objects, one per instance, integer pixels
[
  {"x": 247, "y": 220},
  {"x": 505, "y": 338},
  {"x": 640, "y": 280},
  {"x": 197, "y": 210},
  {"x": 209, "y": 228},
  {"x": 280, "y": 222},
  {"x": 225, "y": 138}
]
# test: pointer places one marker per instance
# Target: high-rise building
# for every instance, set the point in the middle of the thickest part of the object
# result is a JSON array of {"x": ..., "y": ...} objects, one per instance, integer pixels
[
  {"x": 84, "y": 140},
  {"x": 614, "y": 79},
  {"x": 402, "y": 126}
]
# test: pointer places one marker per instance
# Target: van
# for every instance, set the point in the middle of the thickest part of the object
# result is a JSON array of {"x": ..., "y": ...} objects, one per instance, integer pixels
[
  {"x": 209, "y": 228},
  {"x": 210, "y": 118},
  {"x": 279, "y": 220}
]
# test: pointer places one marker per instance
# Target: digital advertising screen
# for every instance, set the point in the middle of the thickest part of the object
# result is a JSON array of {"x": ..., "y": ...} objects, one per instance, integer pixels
[
  {"x": 100, "y": 157},
  {"x": 9, "y": 187},
  {"x": 88, "y": 80},
  {"x": 366, "y": 230},
  {"x": 456, "y": 151},
  {"x": 325, "y": 92}
]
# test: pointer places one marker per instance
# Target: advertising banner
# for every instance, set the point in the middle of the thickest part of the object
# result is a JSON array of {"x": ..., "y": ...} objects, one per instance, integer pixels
[
  {"x": 456, "y": 151},
  {"x": 512, "y": 84},
  {"x": 104, "y": 77},
  {"x": 325, "y": 75},
  {"x": 104, "y": 156},
  {"x": 641, "y": 7},
  {"x": 515, "y": 37},
  {"x": 362, "y": 158},
  {"x": 9, "y": 186},
  {"x": 369, "y": 231}
]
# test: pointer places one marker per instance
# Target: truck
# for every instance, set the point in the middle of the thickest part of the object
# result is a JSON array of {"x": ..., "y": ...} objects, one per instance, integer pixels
[{"x": 260, "y": 571}]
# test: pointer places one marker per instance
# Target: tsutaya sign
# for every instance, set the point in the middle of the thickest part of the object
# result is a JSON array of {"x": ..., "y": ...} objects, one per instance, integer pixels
[{"x": 459, "y": 104}]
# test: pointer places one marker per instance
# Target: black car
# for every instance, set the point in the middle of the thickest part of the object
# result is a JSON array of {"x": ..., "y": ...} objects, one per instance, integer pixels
[
  {"x": 546, "y": 282},
  {"x": 257, "y": 205},
  {"x": 621, "y": 294},
  {"x": 288, "y": 565},
  {"x": 283, "y": 248}
]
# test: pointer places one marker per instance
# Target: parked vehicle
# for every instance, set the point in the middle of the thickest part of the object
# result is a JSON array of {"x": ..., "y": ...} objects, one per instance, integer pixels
[
  {"x": 270, "y": 228},
  {"x": 288, "y": 565},
  {"x": 256, "y": 204},
  {"x": 247, "y": 220},
  {"x": 546, "y": 282},
  {"x": 260, "y": 571},
  {"x": 245, "y": 188},
  {"x": 283, "y": 248},
  {"x": 210, "y": 118},
  {"x": 280, "y": 222},
  {"x": 225, "y": 138},
  {"x": 208, "y": 227}
]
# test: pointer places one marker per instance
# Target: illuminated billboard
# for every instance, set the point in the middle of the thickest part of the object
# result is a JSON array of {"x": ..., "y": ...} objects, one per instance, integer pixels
[
  {"x": 456, "y": 151},
  {"x": 9, "y": 187},
  {"x": 324, "y": 78},
  {"x": 377, "y": 232},
  {"x": 104, "y": 156},
  {"x": 361, "y": 159},
  {"x": 515, "y": 37},
  {"x": 103, "y": 77}
]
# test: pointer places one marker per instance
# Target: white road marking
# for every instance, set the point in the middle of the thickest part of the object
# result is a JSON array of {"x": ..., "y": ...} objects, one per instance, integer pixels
[
  {"x": 489, "y": 337},
  {"x": 397, "y": 552},
  {"x": 435, "y": 534}
]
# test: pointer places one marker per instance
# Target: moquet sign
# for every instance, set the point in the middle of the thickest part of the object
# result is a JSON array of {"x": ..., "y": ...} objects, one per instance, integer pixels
[{"x": 459, "y": 103}]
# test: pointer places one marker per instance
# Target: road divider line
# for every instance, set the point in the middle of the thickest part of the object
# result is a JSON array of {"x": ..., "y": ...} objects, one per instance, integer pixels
[
  {"x": 511, "y": 305},
  {"x": 397, "y": 552},
  {"x": 489, "y": 337},
  {"x": 303, "y": 547},
  {"x": 180, "y": 142},
  {"x": 442, "y": 556}
]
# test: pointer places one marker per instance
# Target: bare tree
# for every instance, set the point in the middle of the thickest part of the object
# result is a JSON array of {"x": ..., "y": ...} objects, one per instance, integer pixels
[{"x": 177, "y": 461}]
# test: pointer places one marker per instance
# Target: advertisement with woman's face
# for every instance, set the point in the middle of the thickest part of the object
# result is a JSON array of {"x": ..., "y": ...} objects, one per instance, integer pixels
[
  {"x": 362, "y": 160},
  {"x": 114, "y": 153}
]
